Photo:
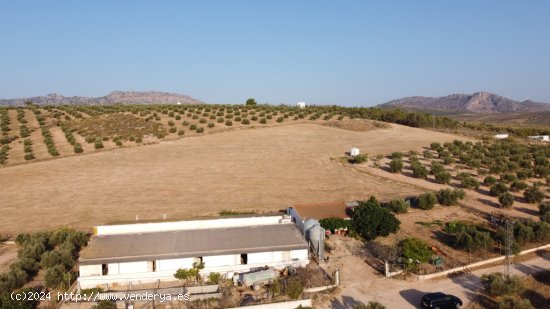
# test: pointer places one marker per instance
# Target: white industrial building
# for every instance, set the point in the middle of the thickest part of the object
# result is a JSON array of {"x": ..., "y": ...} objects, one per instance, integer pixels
[
  {"x": 301, "y": 104},
  {"x": 151, "y": 252}
]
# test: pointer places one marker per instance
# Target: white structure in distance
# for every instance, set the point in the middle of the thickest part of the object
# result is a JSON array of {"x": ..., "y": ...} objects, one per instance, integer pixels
[
  {"x": 301, "y": 104},
  {"x": 354, "y": 152},
  {"x": 501, "y": 135},
  {"x": 544, "y": 138}
]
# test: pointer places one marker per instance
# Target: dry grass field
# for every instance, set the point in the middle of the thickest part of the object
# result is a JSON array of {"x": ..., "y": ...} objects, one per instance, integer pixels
[{"x": 266, "y": 168}]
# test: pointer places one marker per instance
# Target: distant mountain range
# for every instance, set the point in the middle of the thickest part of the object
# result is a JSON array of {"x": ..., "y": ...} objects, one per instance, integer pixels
[
  {"x": 115, "y": 97},
  {"x": 479, "y": 102}
]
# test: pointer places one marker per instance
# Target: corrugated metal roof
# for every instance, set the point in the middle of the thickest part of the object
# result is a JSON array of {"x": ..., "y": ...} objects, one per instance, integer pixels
[{"x": 104, "y": 249}]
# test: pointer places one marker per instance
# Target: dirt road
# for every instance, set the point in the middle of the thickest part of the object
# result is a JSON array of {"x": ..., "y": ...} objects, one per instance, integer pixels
[{"x": 361, "y": 283}]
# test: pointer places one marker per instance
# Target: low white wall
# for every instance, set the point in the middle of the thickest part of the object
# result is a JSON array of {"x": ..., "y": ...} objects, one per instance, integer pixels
[
  {"x": 90, "y": 270},
  {"x": 261, "y": 257},
  {"x": 283, "y": 305},
  {"x": 466, "y": 267},
  {"x": 221, "y": 260},
  {"x": 185, "y": 225},
  {"x": 299, "y": 254},
  {"x": 174, "y": 264}
]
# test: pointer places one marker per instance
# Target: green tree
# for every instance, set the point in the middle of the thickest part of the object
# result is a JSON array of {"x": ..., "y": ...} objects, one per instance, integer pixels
[
  {"x": 533, "y": 195},
  {"x": 414, "y": 249},
  {"x": 54, "y": 276},
  {"x": 396, "y": 165},
  {"x": 251, "y": 102},
  {"x": 496, "y": 284},
  {"x": 370, "y": 220},
  {"x": 426, "y": 201},
  {"x": 419, "y": 170},
  {"x": 498, "y": 189},
  {"x": 490, "y": 180},
  {"x": 469, "y": 183},
  {"x": 443, "y": 177},
  {"x": 398, "y": 206},
  {"x": 510, "y": 302},
  {"x": 449, "y": 197},
  {"x": 506, "y": 200}
]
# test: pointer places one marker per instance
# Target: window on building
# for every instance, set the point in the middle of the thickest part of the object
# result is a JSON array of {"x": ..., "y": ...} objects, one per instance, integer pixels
[
  {"x": 244, "y": 259},
  {"x": 104, "y": 269}
]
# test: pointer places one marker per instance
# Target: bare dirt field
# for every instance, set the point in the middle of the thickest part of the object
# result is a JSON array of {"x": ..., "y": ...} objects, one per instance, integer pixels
[{"x": 262, "y": 169}]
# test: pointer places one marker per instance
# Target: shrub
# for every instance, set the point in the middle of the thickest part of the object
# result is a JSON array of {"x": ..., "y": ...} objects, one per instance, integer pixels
[
  {"x": 29, "y": 156},
  {"x": 54, "y": 276},
  {"x": 181, "y": 132},
  {"x": 171, "y": 123},
  {"x": 202, "y": 120},
  {"x": 245, "y": 121},
  {"x": 370, "y": 220},
  {"x": 214, "y": 278},
  {"x": 397, "y": 155},
  {"x": 518, "y": 185},
  {"x": 506, "y": 200},
  {"x": 427, "y": 154},
  {"x": 105, "y": 304},
  {"x": 263, "y": 121},
  {"x": 508, "y": 177},
  {"x": 280, "y": 119},
  {"x": 220, "y": 120},
  {"x": 426, "y": 201},
  {"x": 449, "y": 197},
  {"x": 200, "y": 130},
  {"x": 469, "y": 183},
  {"x": 193, "y": 127},
  {"x": 496, "y": 284},
  {"x": 419, "y": 170},
  {"x": 533, "y": 195},
  {"x": 185, "y": 123},
  {"x": 443, "y": 177},
  {"x": 396, "y": 165},
  {"x": 98, "y": 144},
  {"x": 294, "y": 288},
  {"x": 544, "y": 212},
  {"x": 332, "y": 224},
  {"x": 362, "y": 158},
  {"x": 397, "y": 206},
  {"x": 228, "y": 123},
  {"x": 490, "y": 180},
  {"x": 498, "y": 189},
  {"x": 436, "y": 168},
  {"x": 172, "y": 130},
  {"x": 178, "y": 117},
  {"x": 509, "y": 302},
  {"x": 468, "y": 237},
  {"x": 414, "y": 249}
]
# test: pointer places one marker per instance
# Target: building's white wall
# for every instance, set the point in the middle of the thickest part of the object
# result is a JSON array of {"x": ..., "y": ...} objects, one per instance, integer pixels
[
  {"x": 185, "y": 225},
  {"x": 90, "y": 270},
  {"x": 135, "y": 267},
  {"x": 148, "y": 277},
  {"x": 174, "y": 264},
  {"x": 260, "y": 257},
  {"x": 113, "y": 269},
  {"x": 222, "y": 260},
  {"x": 278, "y": 256},
  {"x": 299, "y": 254}
]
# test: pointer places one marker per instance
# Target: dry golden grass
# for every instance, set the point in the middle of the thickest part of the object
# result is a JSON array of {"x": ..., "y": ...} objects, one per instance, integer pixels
[{"x": 264, "y": 169}]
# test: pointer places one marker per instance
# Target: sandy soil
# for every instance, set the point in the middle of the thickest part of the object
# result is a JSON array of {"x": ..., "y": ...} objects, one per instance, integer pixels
[
  {"x": 269, "y": 168},
  {"x": 361, "y": 283}
]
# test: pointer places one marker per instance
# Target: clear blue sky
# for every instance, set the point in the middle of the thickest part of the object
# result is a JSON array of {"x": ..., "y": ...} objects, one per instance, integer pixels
[{"x": 338, "y": 52}]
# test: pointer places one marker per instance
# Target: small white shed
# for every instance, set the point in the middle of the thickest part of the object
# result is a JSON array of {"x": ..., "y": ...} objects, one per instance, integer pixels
[
  {"x": 501, "y": 135},
  {"x": 301, "y": 104},
  {"x": 354, "y": 151}
]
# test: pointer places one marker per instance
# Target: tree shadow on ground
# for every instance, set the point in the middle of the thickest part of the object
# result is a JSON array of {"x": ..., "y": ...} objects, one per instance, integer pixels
[
  {"x": 528, "y": 211},
  {"x": 413, "y": 296},
  {"x": 529, "y": 270},
  {"x": 467, "y": 280},
  {"x": 536, "y": 299},
  {"x": 346, "y": 303},
  {"x": 489, "y": 203}
]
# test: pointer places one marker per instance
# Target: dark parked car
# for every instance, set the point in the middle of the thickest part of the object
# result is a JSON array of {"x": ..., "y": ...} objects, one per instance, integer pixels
[{"x": 440, "y": 300}]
